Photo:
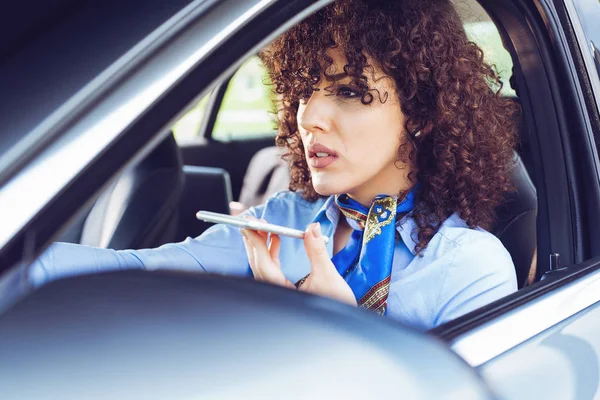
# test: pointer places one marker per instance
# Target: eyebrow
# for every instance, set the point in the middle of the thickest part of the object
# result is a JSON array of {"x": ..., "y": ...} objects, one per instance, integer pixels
[{"x": 337, "y": 77}]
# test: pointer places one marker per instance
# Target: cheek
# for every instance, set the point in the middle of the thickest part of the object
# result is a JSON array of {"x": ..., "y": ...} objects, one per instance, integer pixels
[{"x": 373, "y": 138}]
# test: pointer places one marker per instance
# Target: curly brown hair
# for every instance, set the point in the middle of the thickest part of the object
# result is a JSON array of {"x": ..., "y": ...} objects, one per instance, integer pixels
[{"x": 460, "y": 130}]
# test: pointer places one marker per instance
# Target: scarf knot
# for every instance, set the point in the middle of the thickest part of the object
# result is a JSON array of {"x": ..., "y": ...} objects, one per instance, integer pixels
[{"x": 366, "y": 260}]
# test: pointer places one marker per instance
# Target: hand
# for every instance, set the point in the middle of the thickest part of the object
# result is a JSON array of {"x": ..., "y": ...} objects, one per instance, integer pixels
[
  {"x": 324, "y": 279},
  {"x": 236, "y": 208},
  {"x": 264, "y": 258}
]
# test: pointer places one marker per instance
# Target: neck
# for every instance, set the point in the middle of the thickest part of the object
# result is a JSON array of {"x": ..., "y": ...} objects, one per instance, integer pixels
[{"x": 390, "y": 187}]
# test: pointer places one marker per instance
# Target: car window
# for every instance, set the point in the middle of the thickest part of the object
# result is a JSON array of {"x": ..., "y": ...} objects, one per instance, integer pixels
[
  {"x": 588, "y": 12},
  {"x": 247, "y": 107},
  {"x": 482, "y": 31},
  {"x": 188, "y": 126},
  {"x": 245, "y": 111}
]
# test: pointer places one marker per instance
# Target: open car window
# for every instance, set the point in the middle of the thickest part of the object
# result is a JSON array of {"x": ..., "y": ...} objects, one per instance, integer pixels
[
  {"x": 481, "y": 30},
  {"x": 247, "y": 107},
  {"x": 245, "y": 111}
]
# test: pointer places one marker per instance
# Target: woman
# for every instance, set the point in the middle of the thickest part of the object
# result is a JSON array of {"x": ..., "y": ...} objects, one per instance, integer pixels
[{"x": 399, "y": 146}]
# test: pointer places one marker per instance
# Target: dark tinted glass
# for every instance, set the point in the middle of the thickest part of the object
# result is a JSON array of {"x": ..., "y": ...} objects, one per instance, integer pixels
[{"x": 588, "y": 12}]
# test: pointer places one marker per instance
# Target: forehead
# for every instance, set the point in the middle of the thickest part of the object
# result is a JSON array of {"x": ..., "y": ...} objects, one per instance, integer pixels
[
  {"x": 338, "y": 57},
  {"x": 372, "y": 72}
]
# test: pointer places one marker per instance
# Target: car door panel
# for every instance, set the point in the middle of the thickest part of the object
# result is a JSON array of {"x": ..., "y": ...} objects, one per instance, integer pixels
[{"x": 560, "y": 363}]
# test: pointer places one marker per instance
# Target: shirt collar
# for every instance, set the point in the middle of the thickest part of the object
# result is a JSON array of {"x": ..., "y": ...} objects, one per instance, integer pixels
[
  {"x": 405, "y": 227},
  {"x": 328, "y": 210}
]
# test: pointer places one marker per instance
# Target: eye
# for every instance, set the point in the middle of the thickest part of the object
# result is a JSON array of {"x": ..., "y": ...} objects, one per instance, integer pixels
[{"x": 348, "y": 92}]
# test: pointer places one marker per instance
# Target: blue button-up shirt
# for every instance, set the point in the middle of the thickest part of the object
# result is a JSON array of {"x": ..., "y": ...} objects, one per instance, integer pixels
[{"x": 461, "y": 269}]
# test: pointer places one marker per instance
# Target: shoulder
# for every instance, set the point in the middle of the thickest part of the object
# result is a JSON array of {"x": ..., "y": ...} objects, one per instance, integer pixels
[
  {"x": 462, "y": 255},
  {"x": 475, "y": 266},
  {"x": 460, "y": 270},
  {"x": 456, "y": 238}
]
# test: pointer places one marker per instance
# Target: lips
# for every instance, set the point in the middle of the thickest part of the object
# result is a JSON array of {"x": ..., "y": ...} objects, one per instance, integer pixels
[{"x": 320, "y": 156}]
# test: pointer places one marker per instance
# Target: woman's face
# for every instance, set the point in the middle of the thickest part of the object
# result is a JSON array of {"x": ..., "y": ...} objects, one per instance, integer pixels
[{"x": 351, "y": 147}]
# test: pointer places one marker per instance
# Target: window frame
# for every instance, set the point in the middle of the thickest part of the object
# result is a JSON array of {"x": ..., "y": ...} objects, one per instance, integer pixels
[
  {"x": 579, "y": 31},
  {"x": 212, "y": 110}
]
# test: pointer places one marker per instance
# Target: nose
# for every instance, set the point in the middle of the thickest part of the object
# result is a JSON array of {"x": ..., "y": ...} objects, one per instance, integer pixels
[{"x": 315, "y": 114}]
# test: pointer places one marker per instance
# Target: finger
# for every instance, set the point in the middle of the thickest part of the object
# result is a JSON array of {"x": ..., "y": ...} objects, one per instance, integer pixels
[
  {"x": 256, "y": 237},
  {"x": 289, "y": 285},
  {"x": 315, "y": 247},
  {"x": 274, "y": 247},
  {"x": 267, "y": 267},
  {"x": 250, "y": 253},
  {"x": 264, "y": 235},
  {"x": 237, "y": 208}
]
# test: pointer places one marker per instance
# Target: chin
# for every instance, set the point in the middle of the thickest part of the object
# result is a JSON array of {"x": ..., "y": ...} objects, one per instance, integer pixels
[{"x": 329, "y": 187}]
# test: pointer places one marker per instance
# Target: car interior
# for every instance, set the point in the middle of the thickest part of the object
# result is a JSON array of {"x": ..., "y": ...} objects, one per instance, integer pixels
[{"x": 211, "y": 159}]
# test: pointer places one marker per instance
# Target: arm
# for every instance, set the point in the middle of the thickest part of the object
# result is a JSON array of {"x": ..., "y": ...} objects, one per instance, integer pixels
[{"x": 218, "y": 250}]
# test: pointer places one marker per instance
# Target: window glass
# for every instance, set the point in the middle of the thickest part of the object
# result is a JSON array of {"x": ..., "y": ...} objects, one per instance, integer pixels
[
  {"x": 247, "y": 108},
  {"x": 588, "y": 12},
  {"x": 482, "y": 31},
  {"x": 187, "y": 127},
  {"x": 245, "y": 111}
]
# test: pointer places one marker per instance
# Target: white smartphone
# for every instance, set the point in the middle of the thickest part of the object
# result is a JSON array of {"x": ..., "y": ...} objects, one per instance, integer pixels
[{"x": 218, "y": 218}]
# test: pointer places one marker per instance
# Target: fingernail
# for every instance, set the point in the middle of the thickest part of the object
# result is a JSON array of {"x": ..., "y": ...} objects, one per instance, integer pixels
[
  {"x": 242, "y": 231},
  {"x": 316, "y": 230}
]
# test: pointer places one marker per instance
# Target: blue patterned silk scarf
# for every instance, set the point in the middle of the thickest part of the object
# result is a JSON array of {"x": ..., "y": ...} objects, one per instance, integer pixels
[{"x": 366, "y": 261}]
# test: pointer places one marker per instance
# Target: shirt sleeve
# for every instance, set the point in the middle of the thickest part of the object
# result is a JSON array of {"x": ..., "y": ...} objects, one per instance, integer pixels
[
  {"x": 219, "y": 249},
  {"x": 481, "y": 272}
]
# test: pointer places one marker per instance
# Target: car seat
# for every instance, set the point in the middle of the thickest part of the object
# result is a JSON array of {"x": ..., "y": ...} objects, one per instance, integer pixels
[{"x": 139, "y": 210}]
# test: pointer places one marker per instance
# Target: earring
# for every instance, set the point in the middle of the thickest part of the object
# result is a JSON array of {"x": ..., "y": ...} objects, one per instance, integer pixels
[
  {"x": 417, "y": 134},
  {"x": 401, "y": 165}
]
